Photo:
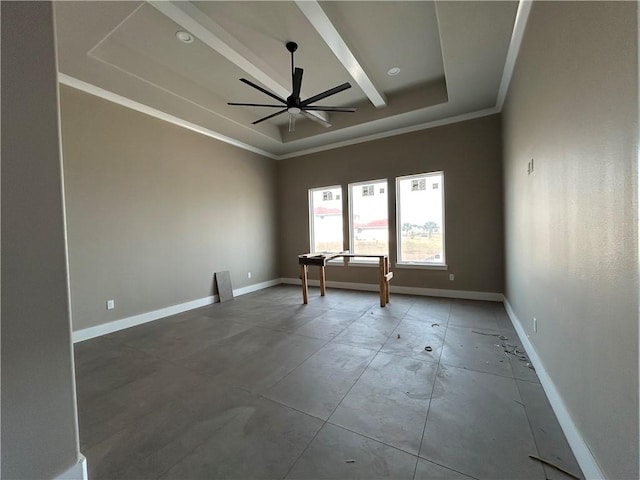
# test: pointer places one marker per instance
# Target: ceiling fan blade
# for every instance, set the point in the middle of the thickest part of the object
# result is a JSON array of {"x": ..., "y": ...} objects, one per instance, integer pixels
[
  {"x": 269, "y": 116},
  {"x": 328, "y": 93},
  {"x": 267, "y": 92},
  {"x": 253, "y": 105},
  {"x": 320, "y": 108},
  {"x": 316, "y": 119},
  {"x": 297, "y": 82}
]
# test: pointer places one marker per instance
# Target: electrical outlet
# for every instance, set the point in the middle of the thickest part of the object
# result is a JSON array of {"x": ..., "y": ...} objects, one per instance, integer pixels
[
  {"x": 452, "y": 277},
  {"x": 248, "y": 274},
  {"x": 111, "y": 304},
  {"x": 535, "y": 324}
]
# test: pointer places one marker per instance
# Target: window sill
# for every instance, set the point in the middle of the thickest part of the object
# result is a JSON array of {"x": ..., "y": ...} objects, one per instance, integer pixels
[
  {"x": 338, "y": 262},
  {"x": 364, "y": 264},
  {"x": 422, "y": 266}
]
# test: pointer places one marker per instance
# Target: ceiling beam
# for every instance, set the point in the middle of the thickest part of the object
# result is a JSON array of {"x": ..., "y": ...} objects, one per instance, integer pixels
[
  {"x": 320, "y": 21},
  {"x": 201, "y": 26}
]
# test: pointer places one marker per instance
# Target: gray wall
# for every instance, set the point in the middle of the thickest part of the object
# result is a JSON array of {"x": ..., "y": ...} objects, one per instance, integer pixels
[
  {"x": 154, "y": 209},
  {"x": 39, "y": 426},
  {"x": 572, "y": 226},
  {"x": 470, "y": 155}
]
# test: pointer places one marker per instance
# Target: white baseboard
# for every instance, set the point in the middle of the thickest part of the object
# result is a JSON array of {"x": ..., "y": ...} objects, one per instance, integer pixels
[
  {"x": 78, "y": 471},
  {"x": 105, "y": 328},
  {"x": 580, "y": 449},
  {"x": 256, "y": 286},
  {"x": 428, "y": 292}
]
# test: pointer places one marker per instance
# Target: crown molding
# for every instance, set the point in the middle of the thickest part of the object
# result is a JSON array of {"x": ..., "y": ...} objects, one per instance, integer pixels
[{"x": 153, "y": 112}]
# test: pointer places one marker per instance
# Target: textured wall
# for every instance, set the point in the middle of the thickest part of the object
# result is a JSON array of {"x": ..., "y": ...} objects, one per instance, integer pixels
[
  {"x": 153, "y": 210},
  {"x": 39, "y": 423},
  {"x": 470, "y": 155},
  {"x": 571, "y": 227}
]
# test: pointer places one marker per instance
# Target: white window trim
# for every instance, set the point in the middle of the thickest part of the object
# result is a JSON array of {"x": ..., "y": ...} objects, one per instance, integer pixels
[
  {"x": 422, "y": 266},
  {"x": 429, "y": 265},
  {"x": 311, "y": 206},
  {"x": 363, "y": 263}
]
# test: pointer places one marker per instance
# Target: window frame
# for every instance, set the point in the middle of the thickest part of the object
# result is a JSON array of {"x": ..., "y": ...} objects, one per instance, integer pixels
[
  {"x": 311, "y": 207},
  {"x": 361, "y": 261},
  {"x": 412, "y": 264}
]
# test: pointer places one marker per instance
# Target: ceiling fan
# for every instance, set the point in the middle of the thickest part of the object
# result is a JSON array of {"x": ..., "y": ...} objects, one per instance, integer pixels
[{"x": 293, "y": 104}]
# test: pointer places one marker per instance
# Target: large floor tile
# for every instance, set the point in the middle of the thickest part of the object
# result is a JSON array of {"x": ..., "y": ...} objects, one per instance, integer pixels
[
  {"x": 216, "y": 359},
  {"x": 550, "y": 440},
  {"x": 138, "y": 449},
  {"x": 523, "y": 369},
  {"x": 387, "y": 313},
  {"x": 431, "y": 471},
  {"x": 331, "y": 300},
  {"x": 520, "y": 364},
  {"x": 369, "y": 331},
  {"x": 398, "y": 306},
  {"x": 411, "y": 338},
  {"x": 319, "y": 384},
  {"x": 502, "y": 319},
  {"x": 337, "y": 453},
  {"x": 430, "y": 309},
  {"x": 103, "y": 366},
  {"x": 180, "y": 339},
  {"x": 271, "y": 363},
  {"x": 475, "y": 349},
  {"x": 474, "y": 314},
  {"x": 476, "y": 425},
  {"x": 102, "y": 416},
  {"x": 328, "y": 325},
  {"x": 301, "y": 315},
  {"x": 360, "y": 302},
  {"x": 285, "y": 318},
  {"x": 280, "y": 294},
  {"x": 258, "y": 439},
  {"x": 389, "y": 402}
]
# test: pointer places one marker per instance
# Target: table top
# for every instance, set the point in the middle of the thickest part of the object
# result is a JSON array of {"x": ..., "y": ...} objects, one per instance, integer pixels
[{"x": 321, "y": 258}]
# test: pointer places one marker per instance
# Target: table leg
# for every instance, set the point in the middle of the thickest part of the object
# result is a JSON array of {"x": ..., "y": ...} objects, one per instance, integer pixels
[
  {"x": 386, "y": 281},
  {"x": 303, "y": 277},
  {"x": 322, "y": 285},
  {"x": 383, "y": 294}
]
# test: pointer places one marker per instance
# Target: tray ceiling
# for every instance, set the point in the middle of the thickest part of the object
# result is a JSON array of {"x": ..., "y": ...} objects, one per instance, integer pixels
[{"x": 451, "y": 55}]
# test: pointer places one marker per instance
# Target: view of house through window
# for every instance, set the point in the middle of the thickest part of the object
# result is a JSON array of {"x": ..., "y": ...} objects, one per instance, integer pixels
[
  {"x": 325, "y": 206},
  {"x": 420, "y": 207},
  {"x": 420, "y": 219},
  {"x": 369, "y": 218}
]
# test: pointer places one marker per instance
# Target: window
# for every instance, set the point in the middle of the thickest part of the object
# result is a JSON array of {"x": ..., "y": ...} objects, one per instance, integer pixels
[
  {"x": 369, "y": 218},
  {"x": 325, "y": 219},
  {"x": 420, "y": 209}
]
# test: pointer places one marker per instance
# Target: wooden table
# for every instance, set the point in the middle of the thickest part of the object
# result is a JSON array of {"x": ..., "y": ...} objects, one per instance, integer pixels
[{"x": 320, "y": 260}]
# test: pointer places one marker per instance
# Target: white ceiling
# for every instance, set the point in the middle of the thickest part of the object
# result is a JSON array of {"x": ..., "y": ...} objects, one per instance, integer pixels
[{"x": 455, "y": 60}]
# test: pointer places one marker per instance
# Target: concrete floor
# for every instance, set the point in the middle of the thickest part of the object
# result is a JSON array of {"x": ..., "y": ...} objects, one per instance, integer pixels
[{"x": 264, "y": 387}]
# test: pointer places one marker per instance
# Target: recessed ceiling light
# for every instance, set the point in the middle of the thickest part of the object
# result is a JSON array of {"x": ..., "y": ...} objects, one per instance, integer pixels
[
  {"x": 393, "y": 71},
  {"x": 184, "y": 37}
]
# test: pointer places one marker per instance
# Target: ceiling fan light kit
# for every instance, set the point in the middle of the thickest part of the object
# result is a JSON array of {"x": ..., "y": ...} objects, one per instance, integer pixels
[{"x": 293, "y": 105}]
